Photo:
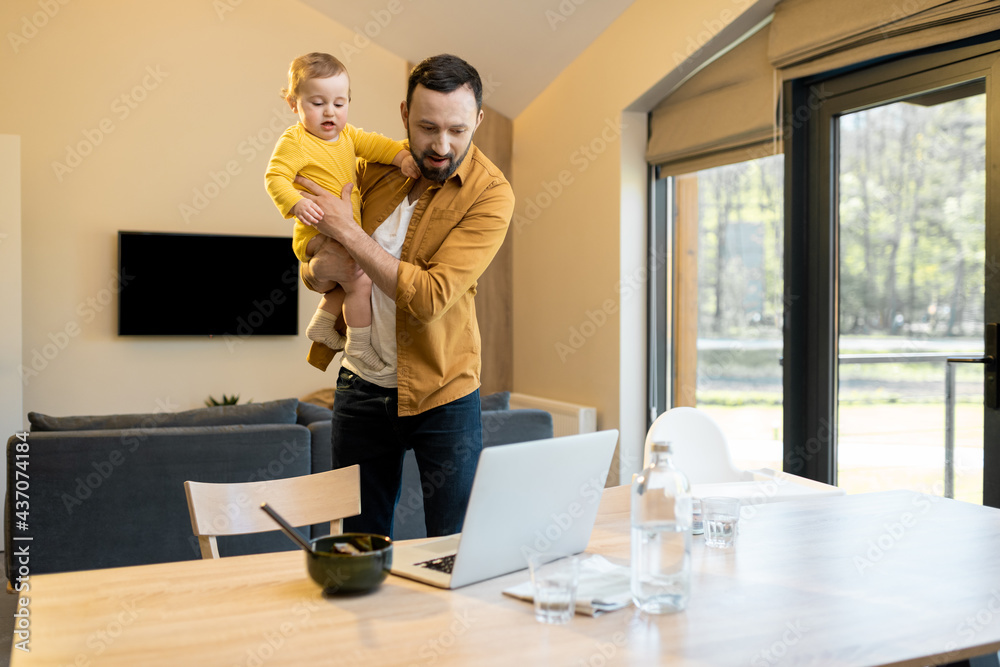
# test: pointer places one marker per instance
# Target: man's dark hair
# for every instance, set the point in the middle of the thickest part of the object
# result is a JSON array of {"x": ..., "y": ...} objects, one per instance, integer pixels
[{"x": 445, "y": 73}]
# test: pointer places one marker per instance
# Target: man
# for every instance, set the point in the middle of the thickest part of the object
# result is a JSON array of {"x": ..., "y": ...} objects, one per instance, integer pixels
[{"x": 424, "y": 244}]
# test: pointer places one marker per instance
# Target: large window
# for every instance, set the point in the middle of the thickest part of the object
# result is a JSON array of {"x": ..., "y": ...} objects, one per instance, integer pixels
[
  {"x": 729, "y": 225},
  {"x": 911, "y": 203},
  {"x": 890, "y": 208}
]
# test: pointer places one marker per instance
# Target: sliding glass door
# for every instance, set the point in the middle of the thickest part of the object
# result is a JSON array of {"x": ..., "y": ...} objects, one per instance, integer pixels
[
  {"x": 892, "y": 230},
  {"x": 910, "y": 207}
]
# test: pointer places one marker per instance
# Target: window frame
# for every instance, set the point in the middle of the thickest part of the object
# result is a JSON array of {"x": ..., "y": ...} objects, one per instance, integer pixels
[{"x": 811, "y": 234}]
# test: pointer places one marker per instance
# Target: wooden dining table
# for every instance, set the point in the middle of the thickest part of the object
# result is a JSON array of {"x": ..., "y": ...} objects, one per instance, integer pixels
[{"x": 889, "y": 578}]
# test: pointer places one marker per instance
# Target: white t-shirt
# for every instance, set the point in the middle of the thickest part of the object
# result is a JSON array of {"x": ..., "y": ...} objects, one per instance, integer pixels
[{"x": 390, "y": 235}]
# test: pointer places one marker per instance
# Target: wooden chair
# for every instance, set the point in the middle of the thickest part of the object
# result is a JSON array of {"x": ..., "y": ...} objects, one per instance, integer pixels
[{"x": 234, "y": 509}]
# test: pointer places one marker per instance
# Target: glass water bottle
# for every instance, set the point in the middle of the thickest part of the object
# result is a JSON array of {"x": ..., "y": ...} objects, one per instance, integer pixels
[{"x": 661, "y": 535}]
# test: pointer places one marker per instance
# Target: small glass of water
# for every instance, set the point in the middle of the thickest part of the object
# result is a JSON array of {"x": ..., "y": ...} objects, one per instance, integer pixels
[
  {"x": 554, "y": 579},
  {"x": 721, "y": 516}
]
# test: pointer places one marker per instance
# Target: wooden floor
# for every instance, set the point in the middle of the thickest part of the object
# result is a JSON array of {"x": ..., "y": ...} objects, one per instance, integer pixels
[{"x": 8, "y": 605}]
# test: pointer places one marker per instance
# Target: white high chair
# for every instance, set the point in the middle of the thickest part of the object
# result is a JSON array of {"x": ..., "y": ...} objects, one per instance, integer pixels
[
  {"x": 700, "y": 448},
  {"x": 701, "y": 451}
]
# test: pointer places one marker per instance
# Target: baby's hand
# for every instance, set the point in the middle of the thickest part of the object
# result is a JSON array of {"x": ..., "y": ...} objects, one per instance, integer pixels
[
  {"x": 409, "y": 167},
  {"x": 307, "y": 211}
]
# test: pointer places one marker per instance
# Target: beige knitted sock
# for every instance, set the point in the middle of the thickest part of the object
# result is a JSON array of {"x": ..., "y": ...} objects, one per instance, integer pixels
[
  {"x": 321, "y": 330},
  {"x": 359, "y": 347}
]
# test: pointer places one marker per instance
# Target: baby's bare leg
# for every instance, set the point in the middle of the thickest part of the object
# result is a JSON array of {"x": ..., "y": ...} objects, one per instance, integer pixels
[
  {"x": 358, "y": 315},
  {"x": 358, "y": 301},
  {"x": 333, "y": 302},
  {"x": 316, "y": 243},
  {"x": 321, "y": 328}
]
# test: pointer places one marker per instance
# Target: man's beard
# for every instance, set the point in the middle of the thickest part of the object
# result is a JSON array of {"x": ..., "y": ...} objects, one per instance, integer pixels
[{"x": 438, "y": 174}]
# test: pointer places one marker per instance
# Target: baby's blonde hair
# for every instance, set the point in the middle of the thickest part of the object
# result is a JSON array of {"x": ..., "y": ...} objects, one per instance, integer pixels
[{"x": 313, "y": 65}]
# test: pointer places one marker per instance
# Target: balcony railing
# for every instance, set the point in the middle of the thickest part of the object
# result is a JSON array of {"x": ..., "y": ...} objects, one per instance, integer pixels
[{"x": 949, "y": 397}]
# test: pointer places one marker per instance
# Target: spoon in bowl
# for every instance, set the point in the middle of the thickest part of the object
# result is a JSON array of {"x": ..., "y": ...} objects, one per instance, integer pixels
[{"x": 288, "y": 529}]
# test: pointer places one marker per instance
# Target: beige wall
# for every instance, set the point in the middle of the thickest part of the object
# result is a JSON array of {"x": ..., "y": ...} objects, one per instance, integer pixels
[
  {"x": 580, "y": 227},
  {"x": 12, "y": 417},
  {"x": 198, "y": 84}
]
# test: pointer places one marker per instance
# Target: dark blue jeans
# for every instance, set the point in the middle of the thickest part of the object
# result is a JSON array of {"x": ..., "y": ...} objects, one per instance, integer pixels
[{"x": 446, "y": 440}]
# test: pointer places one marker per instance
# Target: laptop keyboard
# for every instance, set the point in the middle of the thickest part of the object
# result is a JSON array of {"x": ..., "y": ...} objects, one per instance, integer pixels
[{"x": 443, "y": 564}]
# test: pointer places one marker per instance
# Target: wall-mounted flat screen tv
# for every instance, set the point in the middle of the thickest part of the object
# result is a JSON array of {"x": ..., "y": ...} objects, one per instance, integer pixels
[{"x": 207, "y": 285}]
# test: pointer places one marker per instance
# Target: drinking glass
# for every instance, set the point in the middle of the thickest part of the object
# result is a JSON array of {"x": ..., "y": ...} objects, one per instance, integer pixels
[
  {"x": 554, "y": 579},
  {"x": 721, "y": 516}
]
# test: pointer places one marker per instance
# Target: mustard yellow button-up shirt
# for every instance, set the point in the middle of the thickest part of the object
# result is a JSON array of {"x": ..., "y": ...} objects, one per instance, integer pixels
[{"x": 456, "y": 229}]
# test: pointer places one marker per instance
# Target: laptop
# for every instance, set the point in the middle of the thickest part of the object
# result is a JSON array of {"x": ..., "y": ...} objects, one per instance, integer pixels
[{"x": 538, "y": 496}]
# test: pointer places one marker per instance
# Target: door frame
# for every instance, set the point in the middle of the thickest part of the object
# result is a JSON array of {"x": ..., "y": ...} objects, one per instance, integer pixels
[{"x": 811, "y": 237}]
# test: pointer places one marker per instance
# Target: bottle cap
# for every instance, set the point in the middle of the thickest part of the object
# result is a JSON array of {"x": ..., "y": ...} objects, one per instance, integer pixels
[{"x": 662, "y": 446}]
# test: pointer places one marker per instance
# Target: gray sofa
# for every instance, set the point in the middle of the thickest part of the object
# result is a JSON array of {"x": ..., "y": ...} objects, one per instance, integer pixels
[{"x": 108, "y": 491}]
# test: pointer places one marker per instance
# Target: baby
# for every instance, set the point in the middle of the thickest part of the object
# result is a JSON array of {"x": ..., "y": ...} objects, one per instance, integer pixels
[{"x": 323, "y": 147}]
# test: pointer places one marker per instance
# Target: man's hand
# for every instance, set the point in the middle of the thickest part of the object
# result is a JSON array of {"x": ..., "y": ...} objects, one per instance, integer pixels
[
  {"x": 331, "y": 264},
  {"x": 337, "y": 212},
  {"x": 307, "y": 211},
  {"x": 338, "y": 224}
]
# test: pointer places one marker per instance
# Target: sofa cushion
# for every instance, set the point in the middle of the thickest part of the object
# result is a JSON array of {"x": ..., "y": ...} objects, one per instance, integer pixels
[
  {"x": 505, "y": 427},
  {"x": 271, "y": 412},
  {"x": 498, "y": 401},
  {"x": 309, "y": 413}
]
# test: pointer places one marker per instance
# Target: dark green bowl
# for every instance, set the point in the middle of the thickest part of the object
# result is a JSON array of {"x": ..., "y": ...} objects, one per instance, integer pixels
[{"x": 350, "y": 572}]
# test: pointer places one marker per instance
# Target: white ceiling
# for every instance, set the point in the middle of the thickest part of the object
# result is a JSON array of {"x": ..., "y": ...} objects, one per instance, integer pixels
[{"x": 518, "y": 46}]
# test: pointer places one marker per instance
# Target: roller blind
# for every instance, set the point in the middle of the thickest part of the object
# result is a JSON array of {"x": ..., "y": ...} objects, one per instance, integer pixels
[
  {"x": 725, "y": 113},
  {"x": 812, "y": 36}
]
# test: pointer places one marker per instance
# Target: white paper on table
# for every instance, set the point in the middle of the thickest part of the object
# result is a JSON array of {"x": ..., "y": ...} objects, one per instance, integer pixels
[{"x": 602, "y": 586}]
